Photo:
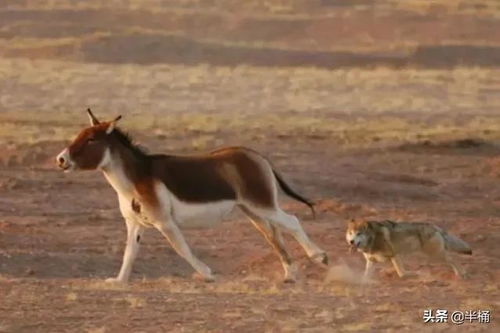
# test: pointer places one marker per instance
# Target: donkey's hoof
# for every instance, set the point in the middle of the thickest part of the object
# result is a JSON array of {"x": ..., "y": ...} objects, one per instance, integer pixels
[
  {"x": 320, "y": 258},
  {"x": 205, "y": 278},
  {"x": 115, "y": 281},
  {"x": 289, "y": 280},
  {"x": 209, "y": 279}
]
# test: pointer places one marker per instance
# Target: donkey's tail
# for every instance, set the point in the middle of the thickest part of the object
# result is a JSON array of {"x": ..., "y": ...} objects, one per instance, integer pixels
[{"x": 291, "y": 193}]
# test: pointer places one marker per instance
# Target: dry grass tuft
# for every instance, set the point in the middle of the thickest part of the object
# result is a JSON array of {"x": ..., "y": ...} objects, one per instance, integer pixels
[
  {"x": 97, "y": 330},
  {"x": 356, "y": 327},
  {"x": 71, "y": 297},
  {"x": 477, "y": 304},
  {"x": 103, "y": 285},
  {"x": 4, "y": 278},
  {"x": 135, "y": 302}
]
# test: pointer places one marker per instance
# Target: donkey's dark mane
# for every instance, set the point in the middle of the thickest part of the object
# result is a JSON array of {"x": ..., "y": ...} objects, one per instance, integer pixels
[{"x": 125, "y": 139}]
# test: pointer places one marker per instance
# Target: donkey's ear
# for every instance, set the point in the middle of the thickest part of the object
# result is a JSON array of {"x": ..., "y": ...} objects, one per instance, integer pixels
[
  {"x": 112, "y": 125},
  {"x": 92, "y": 118}
]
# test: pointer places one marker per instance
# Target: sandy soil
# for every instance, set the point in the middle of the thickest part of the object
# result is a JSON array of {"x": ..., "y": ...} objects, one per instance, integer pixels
[
  {"x": 61, "y": 235},
  {"x": 418, "y": 143}
]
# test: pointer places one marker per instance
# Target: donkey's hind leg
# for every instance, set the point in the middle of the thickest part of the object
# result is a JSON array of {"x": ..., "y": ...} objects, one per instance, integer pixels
[
  {"x": 274, "y": 238},
  {"x": 172, "y": 233},
  {"x": 291, "y": 224}
]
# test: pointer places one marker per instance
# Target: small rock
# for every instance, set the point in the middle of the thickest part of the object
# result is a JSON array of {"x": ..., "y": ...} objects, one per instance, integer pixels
[{"x": 480, "y": 238}]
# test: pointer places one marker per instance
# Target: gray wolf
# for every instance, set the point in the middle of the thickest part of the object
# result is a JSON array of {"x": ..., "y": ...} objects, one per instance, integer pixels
[{"x": 387, "y": 240}]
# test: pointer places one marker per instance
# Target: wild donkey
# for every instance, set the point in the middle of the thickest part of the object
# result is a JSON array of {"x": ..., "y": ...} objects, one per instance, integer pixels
[{"x": 168, "y": 192}]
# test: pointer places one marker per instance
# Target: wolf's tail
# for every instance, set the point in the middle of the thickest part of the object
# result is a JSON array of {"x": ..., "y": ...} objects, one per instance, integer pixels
[
  {"x": 454, "y": 243},
  {"x": 288, "y": 190}
]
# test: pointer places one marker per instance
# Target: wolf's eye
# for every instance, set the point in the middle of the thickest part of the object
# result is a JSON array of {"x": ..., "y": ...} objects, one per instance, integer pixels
[{"x": 91, "y": 140}]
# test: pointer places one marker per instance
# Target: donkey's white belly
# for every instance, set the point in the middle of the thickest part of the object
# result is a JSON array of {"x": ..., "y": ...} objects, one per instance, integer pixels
[{"x": 195, "y": 215}]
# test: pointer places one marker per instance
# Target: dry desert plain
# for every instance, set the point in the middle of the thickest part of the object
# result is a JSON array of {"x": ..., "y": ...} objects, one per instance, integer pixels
[{"x": 374, "y": 109}]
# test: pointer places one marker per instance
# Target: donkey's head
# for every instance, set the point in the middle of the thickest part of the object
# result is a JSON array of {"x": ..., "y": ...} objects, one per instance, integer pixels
[{"x": 90, "y": 149}]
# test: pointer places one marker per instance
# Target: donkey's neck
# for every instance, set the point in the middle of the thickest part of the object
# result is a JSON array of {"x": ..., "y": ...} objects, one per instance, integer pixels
[{"x": 123, "y": 171}]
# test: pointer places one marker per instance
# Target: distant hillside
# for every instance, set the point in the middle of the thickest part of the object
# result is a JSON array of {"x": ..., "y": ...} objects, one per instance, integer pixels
[{"x": 329, "y": 34}]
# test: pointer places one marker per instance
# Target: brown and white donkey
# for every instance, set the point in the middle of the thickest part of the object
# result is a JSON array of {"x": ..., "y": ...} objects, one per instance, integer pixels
[{"x": 170, "y": 192}]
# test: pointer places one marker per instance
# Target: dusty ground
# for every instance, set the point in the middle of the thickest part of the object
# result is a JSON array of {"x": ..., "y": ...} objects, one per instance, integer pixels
[{"x": 419, "y": 143}]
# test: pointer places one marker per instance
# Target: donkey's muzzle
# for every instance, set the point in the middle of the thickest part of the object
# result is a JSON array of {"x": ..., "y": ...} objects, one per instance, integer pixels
[{"x": 63, "y": 160}]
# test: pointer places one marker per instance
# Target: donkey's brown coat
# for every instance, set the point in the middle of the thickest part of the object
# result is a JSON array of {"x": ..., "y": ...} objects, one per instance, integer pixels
[{"x": 183, "y": 175}]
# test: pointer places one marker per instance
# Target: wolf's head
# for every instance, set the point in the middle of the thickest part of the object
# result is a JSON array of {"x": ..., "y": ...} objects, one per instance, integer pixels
[{"x": 359, "y": 234}]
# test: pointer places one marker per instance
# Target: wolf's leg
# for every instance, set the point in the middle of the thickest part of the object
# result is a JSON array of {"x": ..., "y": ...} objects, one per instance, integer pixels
[
  {"x": 398, "y": 266},
  {"x": 436, "y": 248},
  {"x": 458, "y": 271},
  {"x": 368, "y": 269}
]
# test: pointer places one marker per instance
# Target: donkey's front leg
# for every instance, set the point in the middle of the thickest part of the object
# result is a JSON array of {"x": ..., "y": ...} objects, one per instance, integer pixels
[
  {"x": 171, "y": 231},
  {"x": 134, "y": 234}
]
